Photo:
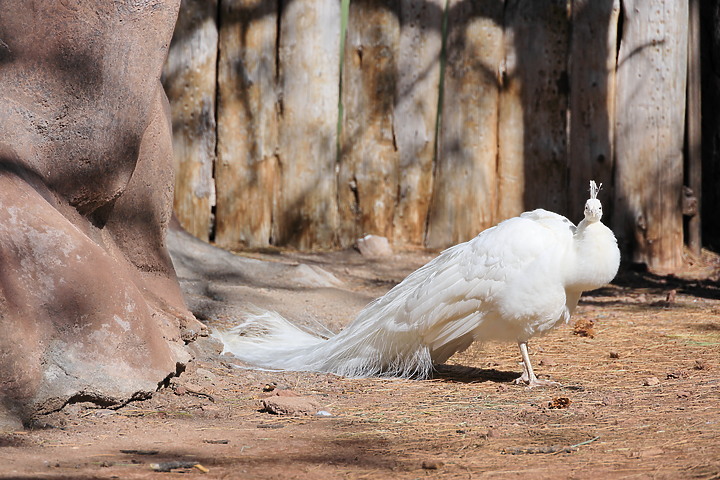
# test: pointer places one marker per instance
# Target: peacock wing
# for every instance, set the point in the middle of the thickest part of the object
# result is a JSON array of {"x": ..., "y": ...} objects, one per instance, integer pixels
[{"x": 466, "y": 284}]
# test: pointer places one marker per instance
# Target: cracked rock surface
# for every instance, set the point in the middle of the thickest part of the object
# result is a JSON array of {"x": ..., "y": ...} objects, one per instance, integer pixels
[{"x": 89, "y": 302}]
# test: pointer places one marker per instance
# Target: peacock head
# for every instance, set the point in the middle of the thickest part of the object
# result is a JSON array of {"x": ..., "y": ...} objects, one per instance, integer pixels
[{"x": 593, "y": 207}]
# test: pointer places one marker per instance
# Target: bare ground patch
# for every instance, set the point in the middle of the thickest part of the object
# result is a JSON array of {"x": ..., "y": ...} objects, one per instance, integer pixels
[{"x": 640, "y": 399}]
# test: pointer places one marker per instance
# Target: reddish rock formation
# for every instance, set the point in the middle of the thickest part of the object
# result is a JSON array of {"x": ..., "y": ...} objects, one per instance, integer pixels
[{"x": 90, "y": 307}]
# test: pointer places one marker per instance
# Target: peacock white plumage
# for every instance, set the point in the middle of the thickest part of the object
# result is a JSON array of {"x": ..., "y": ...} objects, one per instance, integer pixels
[{"x": 512, "y": 282}]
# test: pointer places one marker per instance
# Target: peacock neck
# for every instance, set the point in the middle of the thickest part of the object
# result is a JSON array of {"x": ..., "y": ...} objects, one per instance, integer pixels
[{"x": 596, "y": 257}]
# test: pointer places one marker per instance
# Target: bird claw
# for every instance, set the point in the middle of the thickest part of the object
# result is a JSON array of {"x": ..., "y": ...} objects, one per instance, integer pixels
[
  {"x": 535, "y": 382},
  {"x": 544, "y": 383}
]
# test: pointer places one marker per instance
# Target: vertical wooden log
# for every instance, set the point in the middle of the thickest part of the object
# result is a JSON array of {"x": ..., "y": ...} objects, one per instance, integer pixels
[
  {"x": 246, "y": 170},
  {"x": 464, "y": 198},
  {"x": 649, "y": 131},
  {"x": 533, "y": 111},
  {"x": 694, "y": 127},
  {"x": 592, "y": 102},
  {"x": 511, "y": 148},
  {"x": 368, "y": 170},
  {"x": 190, "y": 81},
  {"x": 710, "y": 19},
  {"x": 309, "y": 82},
  {"x": 415, "y": 119}
]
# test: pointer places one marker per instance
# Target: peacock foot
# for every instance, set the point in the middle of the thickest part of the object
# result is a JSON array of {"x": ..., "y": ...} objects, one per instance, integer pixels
[
  {"x": 536, "y": 382},
  {"x": 529, "y": 379}
]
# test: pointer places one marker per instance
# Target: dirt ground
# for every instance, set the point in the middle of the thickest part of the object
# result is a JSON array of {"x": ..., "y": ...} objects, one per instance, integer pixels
[{"x": 640, "y": 399}]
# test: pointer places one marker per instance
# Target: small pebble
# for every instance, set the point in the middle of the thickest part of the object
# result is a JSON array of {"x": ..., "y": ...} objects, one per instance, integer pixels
[
  {"x": 432, "y": 464},
  {"x": 180, "y": 464},
  {"x": 374, "y": 246}
]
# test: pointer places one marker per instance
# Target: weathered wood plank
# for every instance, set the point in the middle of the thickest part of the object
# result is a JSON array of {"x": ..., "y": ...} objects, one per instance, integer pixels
[
  {"x": 533, "y": 107},
  {"x": 592, "y": 102},
  {"x": 246, "y": 171},
  {"x": 309, "y": 83},
  {"x": 710, "y": 19},
  {"x": 694, "y": 126},
  {"x": 368, "y": 169},
  {"x": 190, "y": 83},
  {"x": 511, "y": 148},
  {"x": 649, "y": 130},
  {"x": 464, "y": 200},
  {"x": 416, "y": 110}
]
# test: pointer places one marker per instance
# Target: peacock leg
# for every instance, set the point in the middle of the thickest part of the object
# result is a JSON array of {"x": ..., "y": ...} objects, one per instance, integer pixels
[{"x": 528, "y": 377}]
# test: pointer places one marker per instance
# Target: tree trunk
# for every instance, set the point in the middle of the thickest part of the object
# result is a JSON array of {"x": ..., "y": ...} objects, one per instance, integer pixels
[
  {"x": 464, "y": 198},
  {"x": 190, "y": 82},
  {"x": 368, "y": 173},
  {"x": 246, "y": 171},
  {"x": 415, "y": 119},
  {"x": 309, "y": 83},
  {"x": 592, "y": 102},
  {"x": 649, "y": 132}
]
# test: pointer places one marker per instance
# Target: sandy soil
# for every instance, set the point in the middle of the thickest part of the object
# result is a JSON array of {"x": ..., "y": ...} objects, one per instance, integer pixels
[{"x": 640, "y": 398}]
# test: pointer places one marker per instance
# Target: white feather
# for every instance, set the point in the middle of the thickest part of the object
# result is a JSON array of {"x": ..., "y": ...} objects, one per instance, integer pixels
[{"x": 512, "y": 282}]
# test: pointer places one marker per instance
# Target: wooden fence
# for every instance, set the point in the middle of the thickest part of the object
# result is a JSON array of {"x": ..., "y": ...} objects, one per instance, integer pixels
[{"x": 436, "y": 120}]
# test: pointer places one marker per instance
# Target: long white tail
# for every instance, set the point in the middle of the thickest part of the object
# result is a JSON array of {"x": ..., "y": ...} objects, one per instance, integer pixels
[
  {"x": 423, "y": 320},
  {"x": 380, "y": 341},
  {"x": 364, "y": 348}
]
